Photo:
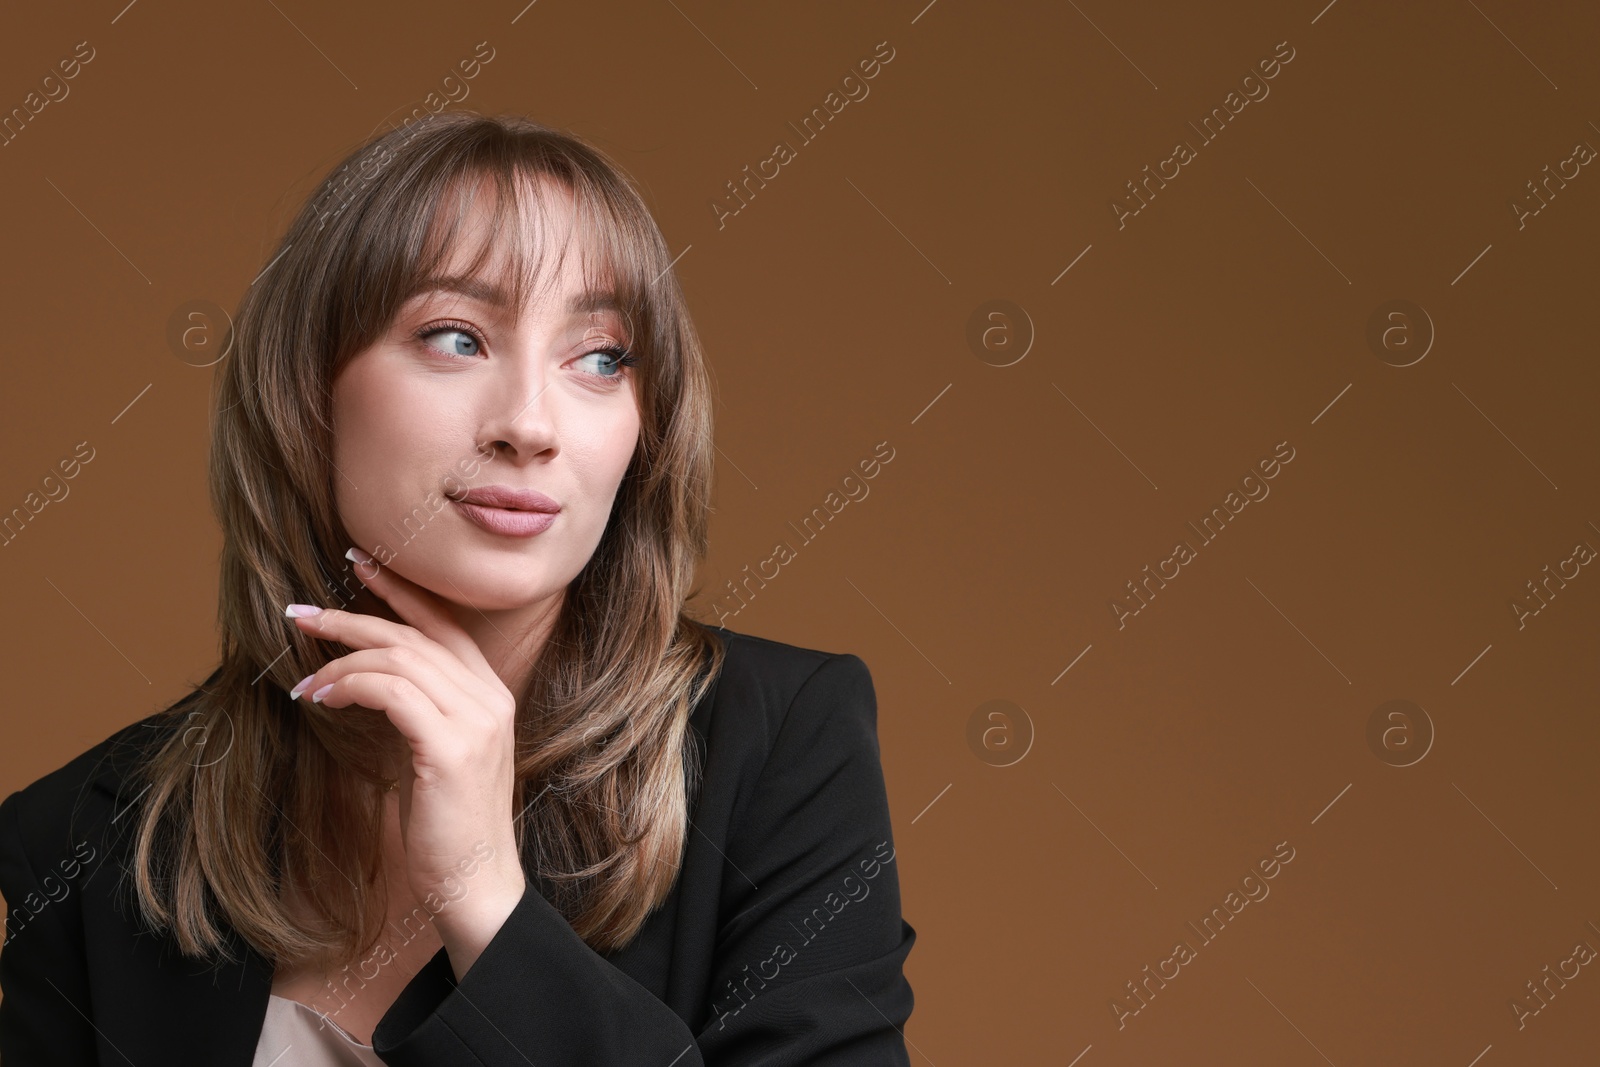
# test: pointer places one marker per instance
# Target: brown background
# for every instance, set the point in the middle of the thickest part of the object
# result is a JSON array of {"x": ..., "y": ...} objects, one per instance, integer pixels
[{"x": 1231, "y": 314}]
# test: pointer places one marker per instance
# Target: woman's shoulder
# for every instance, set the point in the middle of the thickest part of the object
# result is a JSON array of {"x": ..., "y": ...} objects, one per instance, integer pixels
[
  {"x": 79, "y": 798},
  {"x": 106, "y": 770},
  {"x": 780, "y": 661},
  {"x": 782, "y": 680},
  {"x": 776, "y": 670}
]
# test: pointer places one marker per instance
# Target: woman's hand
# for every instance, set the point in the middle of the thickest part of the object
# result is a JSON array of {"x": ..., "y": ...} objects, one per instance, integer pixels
[{"x": 435, "y": 686}]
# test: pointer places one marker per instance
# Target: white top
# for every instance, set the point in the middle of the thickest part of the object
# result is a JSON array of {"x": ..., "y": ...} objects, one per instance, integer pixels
[{"x": 298, "y": 1035}]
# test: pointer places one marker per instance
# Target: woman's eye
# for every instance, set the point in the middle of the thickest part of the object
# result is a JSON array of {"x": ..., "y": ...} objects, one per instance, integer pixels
[
  {"x": 461, "y": 343},
  {"x": 608, "y": 362}
]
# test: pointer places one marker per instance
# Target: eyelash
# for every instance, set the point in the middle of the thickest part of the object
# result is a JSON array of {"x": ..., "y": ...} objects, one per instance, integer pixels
[{"x": 621, "y": 357}]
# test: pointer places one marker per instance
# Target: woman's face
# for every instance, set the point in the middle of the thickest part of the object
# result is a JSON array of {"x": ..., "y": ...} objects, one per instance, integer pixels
[{"x": 463, "y": 394}]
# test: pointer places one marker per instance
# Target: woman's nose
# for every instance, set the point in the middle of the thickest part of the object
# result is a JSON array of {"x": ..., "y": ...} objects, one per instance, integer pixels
[{"x": 521, "y": 415}]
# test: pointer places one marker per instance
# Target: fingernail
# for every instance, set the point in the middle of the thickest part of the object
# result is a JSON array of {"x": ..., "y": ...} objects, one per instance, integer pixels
[
  {"x": 294, "y": 694},
  {"x": 316, "y": 698},
  {"x": 301, "y": 611},
  {"x": 357, "y": 555}
]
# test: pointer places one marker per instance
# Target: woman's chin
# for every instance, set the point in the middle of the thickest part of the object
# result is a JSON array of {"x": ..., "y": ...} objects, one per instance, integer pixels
[{"x": 472, "y": 593}]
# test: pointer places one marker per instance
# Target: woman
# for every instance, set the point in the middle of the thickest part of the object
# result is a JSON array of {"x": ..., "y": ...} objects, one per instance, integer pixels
[{"x": 468, "y": 786}]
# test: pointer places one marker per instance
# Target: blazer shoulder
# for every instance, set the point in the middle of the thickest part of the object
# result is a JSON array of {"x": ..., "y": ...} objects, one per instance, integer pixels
[
  {"x": 765, "y": 675},
  {"x": 776, "y": 668},
  {"x": 68, "y": 803}
]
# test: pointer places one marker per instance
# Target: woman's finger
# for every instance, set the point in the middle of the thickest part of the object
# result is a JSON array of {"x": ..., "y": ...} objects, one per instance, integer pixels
[
  {"x": 413, "y": 714},
  {"x": 437, "y": 685},
  {"x": 420, "y": 607},
  {"x": 357, "y": 629}
]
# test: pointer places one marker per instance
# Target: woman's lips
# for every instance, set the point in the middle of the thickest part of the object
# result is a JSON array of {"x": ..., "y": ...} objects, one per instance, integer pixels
[{"x": 506, "y": 521}]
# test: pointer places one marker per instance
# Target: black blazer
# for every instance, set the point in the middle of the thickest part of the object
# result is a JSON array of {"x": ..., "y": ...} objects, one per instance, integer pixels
[{"x": 781, "y": 943}]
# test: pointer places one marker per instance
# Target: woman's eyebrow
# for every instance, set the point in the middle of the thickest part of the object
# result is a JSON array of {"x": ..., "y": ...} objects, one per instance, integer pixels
[
  {"x": 593, "y": 300},
  {"x": 472, "y": 288}
]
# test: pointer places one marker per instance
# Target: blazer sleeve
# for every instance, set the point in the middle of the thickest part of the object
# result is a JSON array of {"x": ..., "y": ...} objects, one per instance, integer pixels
[
  {"x": 807, "y": 969},
  {"x": 44, "y": 990}
]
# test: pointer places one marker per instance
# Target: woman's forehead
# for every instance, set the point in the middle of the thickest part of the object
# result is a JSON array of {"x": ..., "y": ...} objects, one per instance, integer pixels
[
  {"x": 522, "y": 210},
  {"x": 508, "y": 278}
]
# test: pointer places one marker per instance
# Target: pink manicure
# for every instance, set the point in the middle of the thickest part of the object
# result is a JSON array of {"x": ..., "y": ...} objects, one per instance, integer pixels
[{"x": 301, "y": 611}]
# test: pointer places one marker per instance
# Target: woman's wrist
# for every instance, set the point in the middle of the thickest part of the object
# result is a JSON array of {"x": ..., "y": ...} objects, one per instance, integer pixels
[{"x": 468, "y": 925}]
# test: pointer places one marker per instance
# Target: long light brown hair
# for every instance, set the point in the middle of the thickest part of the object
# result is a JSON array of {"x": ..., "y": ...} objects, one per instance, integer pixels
[{"x": 251, "y": 791}]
